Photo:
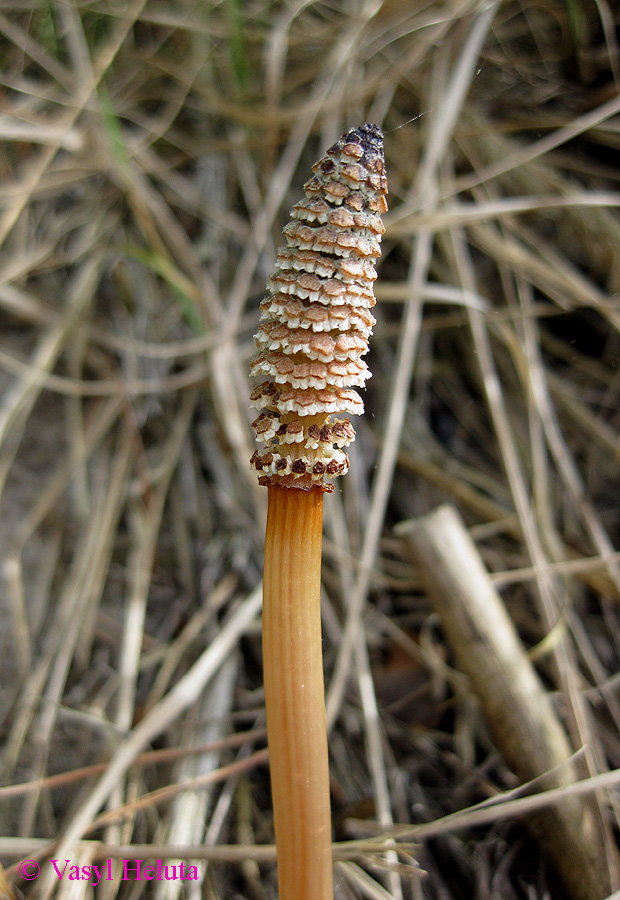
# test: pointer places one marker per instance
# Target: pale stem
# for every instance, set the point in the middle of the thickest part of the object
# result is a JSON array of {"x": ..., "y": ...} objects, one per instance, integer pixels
[{"x": 294, "y": 694}]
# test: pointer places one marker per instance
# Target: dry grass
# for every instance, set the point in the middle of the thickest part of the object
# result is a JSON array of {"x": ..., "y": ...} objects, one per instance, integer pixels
[{"x": 150, "y": 155}]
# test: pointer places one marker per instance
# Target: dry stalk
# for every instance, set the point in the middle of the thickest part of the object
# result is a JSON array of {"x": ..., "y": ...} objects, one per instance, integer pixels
[{"x": 519, "y": 710}]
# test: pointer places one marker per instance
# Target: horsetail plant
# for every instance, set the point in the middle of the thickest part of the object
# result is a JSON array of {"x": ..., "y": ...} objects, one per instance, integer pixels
[{"x": 314, "y": 329}]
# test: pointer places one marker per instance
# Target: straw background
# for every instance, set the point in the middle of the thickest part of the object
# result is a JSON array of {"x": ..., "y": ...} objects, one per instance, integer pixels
[{"x": 150, "y": 153}]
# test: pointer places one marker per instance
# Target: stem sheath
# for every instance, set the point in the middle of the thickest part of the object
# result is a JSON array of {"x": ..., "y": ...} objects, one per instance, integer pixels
[{"x": 294, "y": 694}]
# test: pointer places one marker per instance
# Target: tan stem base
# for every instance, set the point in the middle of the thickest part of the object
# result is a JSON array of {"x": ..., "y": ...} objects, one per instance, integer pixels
[{"x": 294, "y": 694}]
